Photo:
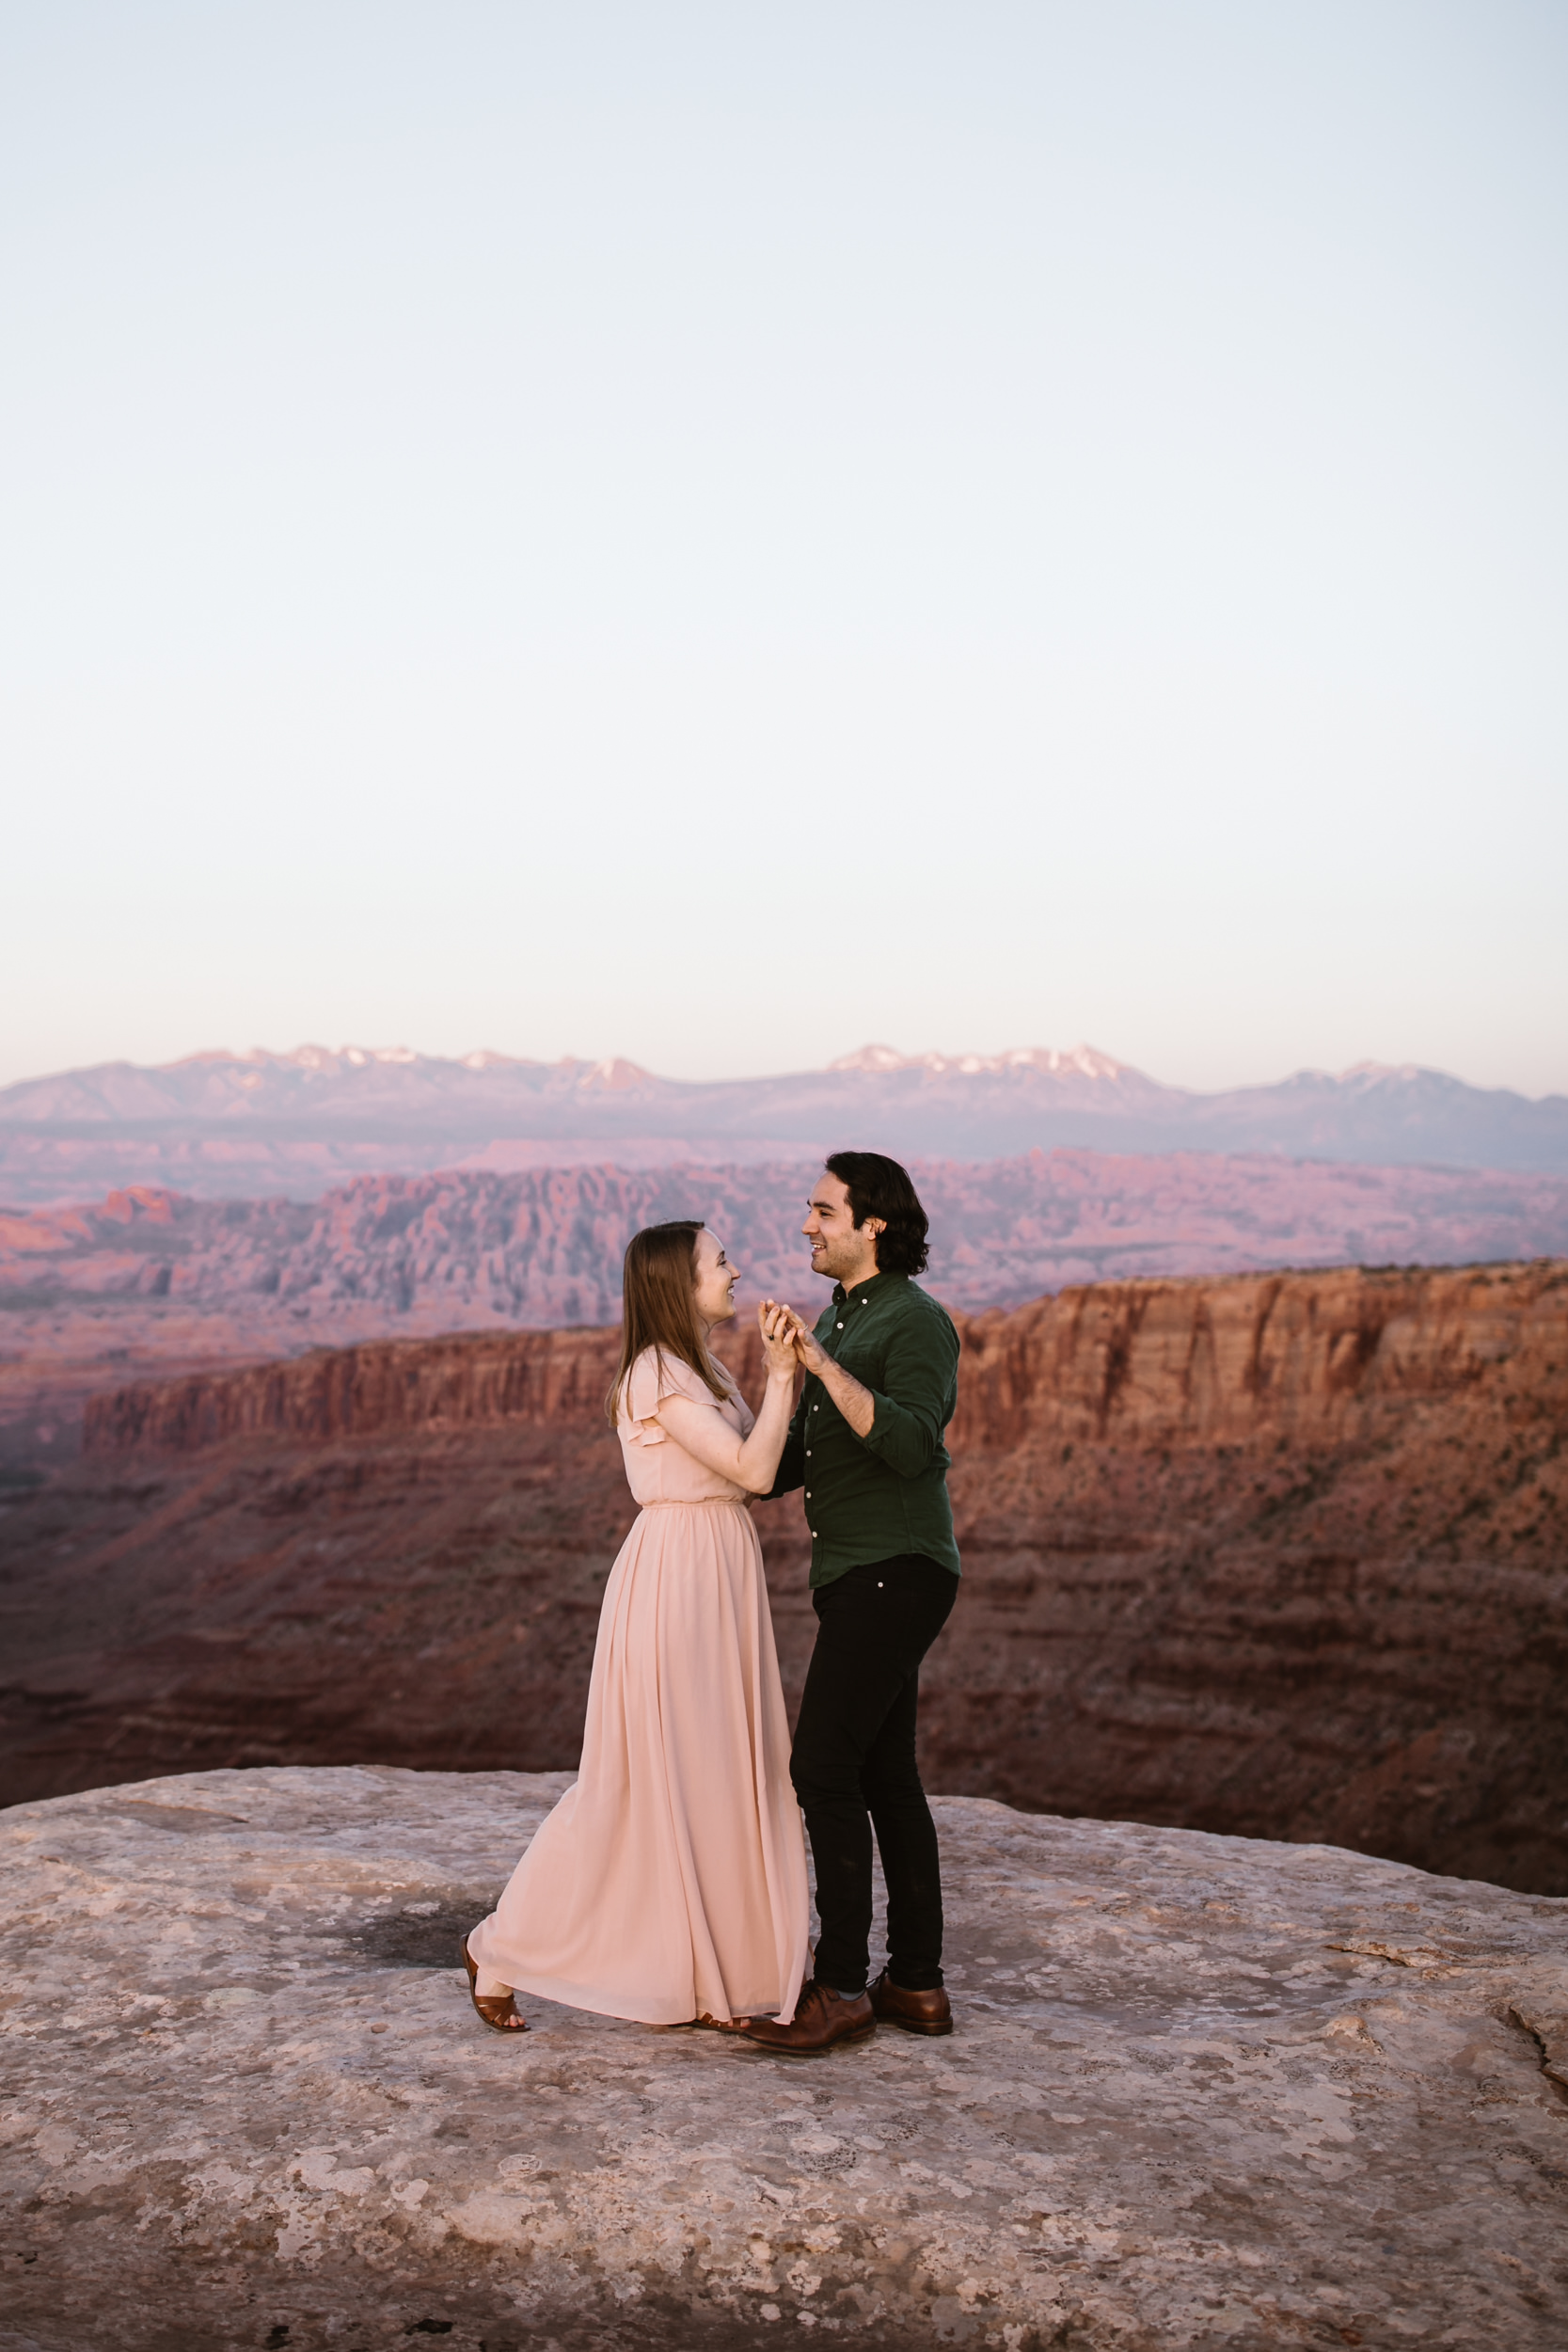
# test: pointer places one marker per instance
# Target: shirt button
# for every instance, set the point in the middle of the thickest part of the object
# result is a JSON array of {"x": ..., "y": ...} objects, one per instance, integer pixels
[
  {"x": 838, "y": 1326},
  {"x": 808, "y": 1494}
]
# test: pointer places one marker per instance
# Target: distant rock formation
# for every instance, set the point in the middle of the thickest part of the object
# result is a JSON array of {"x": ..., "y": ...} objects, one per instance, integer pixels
[
  {"x": 157, "y": 1282},
  {"x": 543, "y": 1248},
  {"x": 226, "y": 1125},
  {"x": 1201, "y": 2092}
]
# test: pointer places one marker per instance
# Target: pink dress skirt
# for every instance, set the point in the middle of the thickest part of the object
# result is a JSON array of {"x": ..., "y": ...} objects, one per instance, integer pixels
[{"x": 670, "y": 1881}]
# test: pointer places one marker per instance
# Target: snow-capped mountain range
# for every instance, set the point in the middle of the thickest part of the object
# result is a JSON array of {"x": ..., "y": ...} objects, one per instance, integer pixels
[{"x": 226, "y": 1125}]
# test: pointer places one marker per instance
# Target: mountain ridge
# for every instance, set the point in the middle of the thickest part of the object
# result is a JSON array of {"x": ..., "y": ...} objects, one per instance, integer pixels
[{"x": 232, "y": 1126}]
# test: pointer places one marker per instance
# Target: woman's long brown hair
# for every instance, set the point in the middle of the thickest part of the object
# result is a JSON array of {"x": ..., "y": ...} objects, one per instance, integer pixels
[{"x": 660, "y": 1306}]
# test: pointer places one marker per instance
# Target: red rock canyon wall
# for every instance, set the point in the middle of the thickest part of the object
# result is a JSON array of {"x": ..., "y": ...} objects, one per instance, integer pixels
[{"x": 1285, "y": 1555}]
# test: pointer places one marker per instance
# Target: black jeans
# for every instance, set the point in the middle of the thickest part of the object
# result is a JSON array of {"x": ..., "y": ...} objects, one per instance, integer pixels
[{"x": 854, "y": 1757}]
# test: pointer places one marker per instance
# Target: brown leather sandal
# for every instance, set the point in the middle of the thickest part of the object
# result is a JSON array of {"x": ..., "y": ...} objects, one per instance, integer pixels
[{"x": 498, "y": 2011}]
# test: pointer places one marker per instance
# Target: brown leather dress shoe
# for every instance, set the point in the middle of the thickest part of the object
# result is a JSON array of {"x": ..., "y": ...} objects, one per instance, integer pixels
[
  {"x": 917, "y": 2013},
  {"x": 822, "y": 2020}
]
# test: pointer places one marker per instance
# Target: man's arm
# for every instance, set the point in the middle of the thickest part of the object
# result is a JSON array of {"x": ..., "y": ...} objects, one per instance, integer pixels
[
  {"x": 903, "y": 1422},
  {"x": 909, "y": 1413},
  {"x": 857, "y": 1403}
]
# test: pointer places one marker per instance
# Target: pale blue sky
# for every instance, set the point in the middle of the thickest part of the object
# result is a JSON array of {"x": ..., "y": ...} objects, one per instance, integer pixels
[{"x": 717, "y": 534}]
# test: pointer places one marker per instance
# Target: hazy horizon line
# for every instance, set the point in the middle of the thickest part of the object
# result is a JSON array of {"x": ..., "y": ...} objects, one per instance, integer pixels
[{"x": 969, "y": 1061}]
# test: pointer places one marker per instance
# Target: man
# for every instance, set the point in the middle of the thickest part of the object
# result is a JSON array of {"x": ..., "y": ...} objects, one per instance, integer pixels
[{"x": 865, "y": 1445}]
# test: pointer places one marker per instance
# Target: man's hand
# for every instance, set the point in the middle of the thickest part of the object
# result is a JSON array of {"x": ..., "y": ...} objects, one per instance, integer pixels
[
  {"x": 812, "y": 1355},
  {"x": 802, "y": 1338},
  {"x": 855, "y": 1402}
]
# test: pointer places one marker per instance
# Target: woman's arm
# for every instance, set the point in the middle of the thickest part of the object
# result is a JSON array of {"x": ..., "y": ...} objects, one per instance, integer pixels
[
  {"x": 791, "y": 1471},
  {"x": 752, "y": 1461}
]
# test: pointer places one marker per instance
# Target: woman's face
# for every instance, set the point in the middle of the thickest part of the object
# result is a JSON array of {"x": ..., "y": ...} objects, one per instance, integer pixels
[{"x": 714, "y": 1285}]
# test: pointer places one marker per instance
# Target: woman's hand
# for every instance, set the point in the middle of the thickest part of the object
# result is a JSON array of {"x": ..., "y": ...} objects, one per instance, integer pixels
[{"x": 778, "y": 1327}]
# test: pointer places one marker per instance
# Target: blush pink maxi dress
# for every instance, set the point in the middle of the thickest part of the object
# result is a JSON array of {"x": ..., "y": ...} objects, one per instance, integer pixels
[{"x": 670, "y": 1883}]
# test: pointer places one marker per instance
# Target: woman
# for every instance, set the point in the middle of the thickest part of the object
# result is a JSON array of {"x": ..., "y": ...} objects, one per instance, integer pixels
[{"x": 669, "y": 1885}]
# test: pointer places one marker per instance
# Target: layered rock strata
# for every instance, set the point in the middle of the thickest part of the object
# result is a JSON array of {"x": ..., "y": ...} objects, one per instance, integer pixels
[
  {"x": 1280, "y": 1556},
  {"x": 1318, "y": 1357},
  {"x": 1202, "y": 2092},
  {"x": 555, "y": 1379}
]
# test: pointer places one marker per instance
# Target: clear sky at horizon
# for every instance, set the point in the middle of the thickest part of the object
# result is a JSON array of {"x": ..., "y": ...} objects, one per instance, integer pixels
[{"x": 718, "y": 535}]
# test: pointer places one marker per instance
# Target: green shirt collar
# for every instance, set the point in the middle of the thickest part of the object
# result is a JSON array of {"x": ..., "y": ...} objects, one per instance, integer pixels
[{"x": 864, "y": 1290}]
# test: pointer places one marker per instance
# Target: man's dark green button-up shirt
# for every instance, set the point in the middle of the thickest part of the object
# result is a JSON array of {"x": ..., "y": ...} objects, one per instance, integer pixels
[{"x": 871, "y": 1498}]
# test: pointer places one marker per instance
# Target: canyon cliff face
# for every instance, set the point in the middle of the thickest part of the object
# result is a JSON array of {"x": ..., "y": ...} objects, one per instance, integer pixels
[
  {"x": 1282, "y": 1555},
  {"x": 1305, "y": 1356},
  {"x": 552, "y": 1379},
  {"x": 1313, "y": 1358},
  {"x": 1288, "y": 1557}
]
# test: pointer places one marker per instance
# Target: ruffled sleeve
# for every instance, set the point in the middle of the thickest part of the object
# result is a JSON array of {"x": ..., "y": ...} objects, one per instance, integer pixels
[
  {"x": 653, "y": 1377},
  {"x": 640, "y": 1400}
]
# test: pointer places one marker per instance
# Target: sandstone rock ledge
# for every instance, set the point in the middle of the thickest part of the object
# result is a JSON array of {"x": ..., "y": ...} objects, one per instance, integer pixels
[{"x": 1205, "y": 2091}]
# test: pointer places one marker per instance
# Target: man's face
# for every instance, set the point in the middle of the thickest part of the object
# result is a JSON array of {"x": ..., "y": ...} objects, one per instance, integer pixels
[{"x": 841, "y": 1249}]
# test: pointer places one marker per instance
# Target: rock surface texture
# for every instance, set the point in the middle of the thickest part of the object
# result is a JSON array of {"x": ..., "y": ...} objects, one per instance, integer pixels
[{"x": 1203, "y": 2091}]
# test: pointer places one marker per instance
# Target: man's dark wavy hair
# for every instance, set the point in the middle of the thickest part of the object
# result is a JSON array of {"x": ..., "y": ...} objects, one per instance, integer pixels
[{"x": 879, "y": 1187}]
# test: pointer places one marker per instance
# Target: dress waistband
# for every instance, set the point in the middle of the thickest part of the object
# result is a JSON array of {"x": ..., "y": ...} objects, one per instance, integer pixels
[{"x": 696, "y": 1502}]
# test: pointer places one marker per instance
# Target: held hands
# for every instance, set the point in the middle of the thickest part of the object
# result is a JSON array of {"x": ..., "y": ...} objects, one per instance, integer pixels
[
  {"x": 778, "y": 1326},
  {"x": 857, "y": 1403},
  {"x": 783, "y": 1327}
]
